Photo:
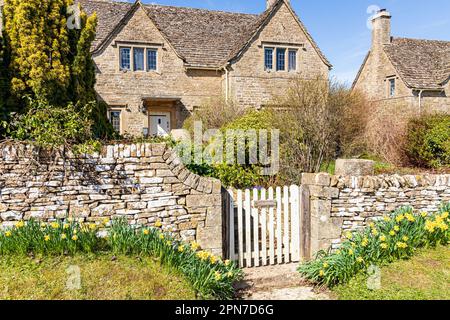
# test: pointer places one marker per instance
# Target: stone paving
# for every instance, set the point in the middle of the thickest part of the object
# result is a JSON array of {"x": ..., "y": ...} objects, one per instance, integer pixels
[{"x": 280, "y": 282}]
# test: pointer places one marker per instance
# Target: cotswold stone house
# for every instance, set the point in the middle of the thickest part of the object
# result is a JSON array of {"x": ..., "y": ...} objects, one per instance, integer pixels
[
  {"x": 405, "y": 73},
  {"x": 156, "y": 64}
]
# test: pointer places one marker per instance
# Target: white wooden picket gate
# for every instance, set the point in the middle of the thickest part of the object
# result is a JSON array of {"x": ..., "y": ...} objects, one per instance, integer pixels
[{"x": 267, "y": 227}]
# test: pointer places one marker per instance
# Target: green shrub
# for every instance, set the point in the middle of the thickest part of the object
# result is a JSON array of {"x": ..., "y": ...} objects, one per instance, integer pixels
[
  {"x": 49, "y": 126},
  {"x": 211, "y": 277},
  {"x": 428, "y": 141},
  {"x": 392, "y": 238},
  {"x": 236, "y": 175}
]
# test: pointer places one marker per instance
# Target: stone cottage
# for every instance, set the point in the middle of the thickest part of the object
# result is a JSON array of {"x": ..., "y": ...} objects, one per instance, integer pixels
[
  {"x": 405, "y": 73},
  {"x": 156, "y": 64}
]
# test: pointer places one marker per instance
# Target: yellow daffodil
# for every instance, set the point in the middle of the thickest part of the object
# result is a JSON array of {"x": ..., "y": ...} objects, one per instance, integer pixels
[
  {"x": 146, "y": 232},
  {"x": 20, "y": 224},
  {"x": 360, "y": 260},
  {"x": 401, "y": 245},
  {"x": 65, "y": 226},
  {"x": 218, "y": 276},
  {"x": 364, "y": 242},
  {"x": 203, "y": 255},
  {"x": 382, "y": 238},
  {"x": 386, "y": 218},
  {"x": 397, "y": 228},
  {"x": 92, "y": 226},
  {"x": 392, "y": 233},
  {"x": 430, "y": 226},
  {"x": 169, "y": 243},
  {"x": 227, "y": 262},
  {"x": 181, "y": 249},
  {"x": 325, "y": 265},
  {"x": 213, "y": 259},
  {"x": 63, "y": 236},
  {"x": 158, "y": 224},
  {"x": 54, "y": 225},
  {"x": 384, "y": 245},
  {"x": 47, "y": 238},
  {"x": 405, "y": 238},
  {"x": 161, "y": 236},
  {"x": 338, "y": 251},
  {"x": 424, "y": 214},
  {"x": 8, "y": 234},
  {"x": 410, "y": 217},
  {"x": 105, "y": 221},
  {"x": 74, "y": 237},
  {"x": 372, "y": 225},
  {"x": 445, "y": 215},
  {"x": 350, "y": 252},
  {"x": 374, "y": 232},
  {"x": 43, "y": 225},
  {"x": 230, "y": 274},
  {"x": 321, "y": 273},
  {"x": 195, "y": 246},
  {"x": 399, "y": 218},
  {"x": 349, "y": 235}
]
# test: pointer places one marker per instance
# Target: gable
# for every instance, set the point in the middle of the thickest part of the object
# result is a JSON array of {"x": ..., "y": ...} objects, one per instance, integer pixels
[{"x": 275, "y": 18}]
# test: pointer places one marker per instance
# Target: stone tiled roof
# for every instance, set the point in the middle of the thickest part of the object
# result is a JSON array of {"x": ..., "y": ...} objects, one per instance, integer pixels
[
  {"x": 203, "y": 38},
  {"x": 109, "y": 15},
  {"x": 422, "y": 64}
]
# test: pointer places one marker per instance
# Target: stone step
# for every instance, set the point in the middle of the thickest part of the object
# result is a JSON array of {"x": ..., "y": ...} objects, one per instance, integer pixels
[{"x": 271, "y": 277}]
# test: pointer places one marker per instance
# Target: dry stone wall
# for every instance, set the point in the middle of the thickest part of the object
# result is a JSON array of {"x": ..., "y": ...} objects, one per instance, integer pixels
[
  {"x": 145, "y": 183},
  {"x": 342, "y": 203}
]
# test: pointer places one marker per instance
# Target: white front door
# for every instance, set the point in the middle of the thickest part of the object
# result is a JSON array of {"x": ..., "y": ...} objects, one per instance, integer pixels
[{"x": 160, "y": 124}]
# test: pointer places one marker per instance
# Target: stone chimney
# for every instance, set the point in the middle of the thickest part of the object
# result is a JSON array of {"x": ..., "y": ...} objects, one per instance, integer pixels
[
  {"x": 381, "y": 28},
  {"x": 270, "y": 3}
]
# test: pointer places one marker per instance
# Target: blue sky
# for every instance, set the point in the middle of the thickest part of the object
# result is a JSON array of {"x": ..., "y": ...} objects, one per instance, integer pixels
[{"x": 340, "y": 26}]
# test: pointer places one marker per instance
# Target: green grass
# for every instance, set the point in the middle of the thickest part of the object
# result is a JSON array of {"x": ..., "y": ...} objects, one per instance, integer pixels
[
  {"x": 426, "y": 276},
  {"x": 102, "y": 278}
]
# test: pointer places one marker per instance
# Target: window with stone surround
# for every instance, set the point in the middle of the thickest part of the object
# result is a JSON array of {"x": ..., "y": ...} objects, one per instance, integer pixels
[
  {"x": 281, "y": 59},
  {"x": 392, "y": 85},
  {"x": 292, "y": 60},
  {"x": 115, "y": 117},
  {"x": 152, "y": 59},
  {"x": 138, "y": 59},
  {"x": 268, "y": 58},
  {"x": 125, "y": 58}
]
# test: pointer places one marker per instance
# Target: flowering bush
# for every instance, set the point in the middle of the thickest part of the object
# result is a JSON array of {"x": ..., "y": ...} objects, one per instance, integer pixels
[
  {"x": 211, "y": 277},
  {"x": 394, "y": 237}
]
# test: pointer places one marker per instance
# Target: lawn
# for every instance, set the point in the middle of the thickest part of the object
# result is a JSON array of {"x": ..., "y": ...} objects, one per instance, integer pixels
[
  {"x": 103, "y": 277},
  {"x": 426, "y": 276}
]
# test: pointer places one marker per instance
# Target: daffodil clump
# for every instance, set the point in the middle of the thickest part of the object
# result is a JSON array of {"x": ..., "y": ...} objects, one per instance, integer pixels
[
  {"x": 59, "y": 237},
  {"x": 211, "y": 277},
  {"x": 393, "y": 237}
]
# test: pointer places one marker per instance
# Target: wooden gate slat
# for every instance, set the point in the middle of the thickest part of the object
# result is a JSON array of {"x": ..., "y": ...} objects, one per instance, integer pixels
[
  {"x": 279, "y": 227},
  {"x": 264, "y": 230},
  {"x": 232, "y": 243},
  {"x": 271, "y": 231},
  {"x": 255, "y": 216},
  {"x": 240, "y": 229},
  {"x": 248, "y": 240},
  {"x": 286, "y": 233}
]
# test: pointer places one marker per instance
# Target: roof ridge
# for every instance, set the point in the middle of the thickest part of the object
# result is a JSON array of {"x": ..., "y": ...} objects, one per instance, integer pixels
[
  {"x": 418, "y": 39},
  {"x": 201, "y": 9}
]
